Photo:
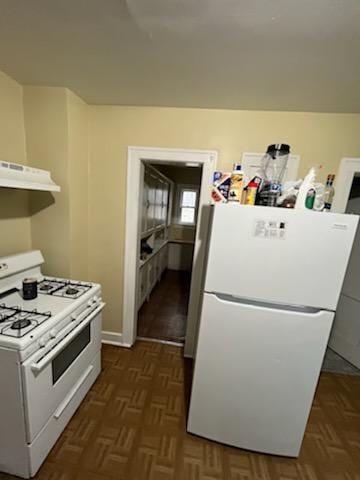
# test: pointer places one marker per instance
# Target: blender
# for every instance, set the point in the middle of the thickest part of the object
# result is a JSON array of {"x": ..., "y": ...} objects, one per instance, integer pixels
[{"x": 273, "y": 169}]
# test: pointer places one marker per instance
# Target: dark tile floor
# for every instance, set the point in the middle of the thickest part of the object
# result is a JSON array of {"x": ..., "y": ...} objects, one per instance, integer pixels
[
  {"x": 132, "y": 426},
  {"x": 163, "y": 317}
]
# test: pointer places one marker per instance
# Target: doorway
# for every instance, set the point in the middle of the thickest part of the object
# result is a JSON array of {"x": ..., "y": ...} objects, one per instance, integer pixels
[
  {"x": 167, "y": 239},
  {"x": 137, "y": 158}
]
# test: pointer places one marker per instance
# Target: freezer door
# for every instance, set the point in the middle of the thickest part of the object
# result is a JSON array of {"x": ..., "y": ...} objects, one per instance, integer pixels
[
  {"x": 279, "y": 255},
  {"x": 256, "y": 371}
]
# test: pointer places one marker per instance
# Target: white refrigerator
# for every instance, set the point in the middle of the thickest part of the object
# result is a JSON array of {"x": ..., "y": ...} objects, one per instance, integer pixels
[{"x": 272, "y": 285}]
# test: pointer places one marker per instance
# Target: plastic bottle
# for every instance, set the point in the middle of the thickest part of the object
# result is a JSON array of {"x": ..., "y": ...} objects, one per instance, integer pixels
[
  {"x": 329, "y": 192},
  {"x": 310, "y": 199},
  {"x": 236, "y": 184},
  {"x": 307, "y": 186},
  {"x": 251, "y": 191}
]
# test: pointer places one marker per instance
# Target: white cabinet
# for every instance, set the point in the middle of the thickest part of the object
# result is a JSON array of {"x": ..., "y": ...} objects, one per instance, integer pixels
[
  {"x": 143, "y": 282},
  {"x": 145, "y": 203},
  {"x": 154, "y": 223},
  {"x": 150, "y": 272},
  {"x": 155, "y": 201},
  {"x": 151, "y": 215},
  {"x": 165, "y": 204},
  {"x": 158, "y": 201}
]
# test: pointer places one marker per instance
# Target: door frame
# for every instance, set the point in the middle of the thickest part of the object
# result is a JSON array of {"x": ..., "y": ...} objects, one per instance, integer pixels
[
  {"x": 136, "y": 155},
  {"x": 348, "y": 167}
]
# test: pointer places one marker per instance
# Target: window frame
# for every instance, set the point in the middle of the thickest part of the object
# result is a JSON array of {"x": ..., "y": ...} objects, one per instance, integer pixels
[{"x": 180, "y": 188}]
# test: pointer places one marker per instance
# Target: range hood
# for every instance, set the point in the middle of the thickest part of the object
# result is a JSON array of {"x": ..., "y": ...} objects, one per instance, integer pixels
[{"x": 13, "y": 175}]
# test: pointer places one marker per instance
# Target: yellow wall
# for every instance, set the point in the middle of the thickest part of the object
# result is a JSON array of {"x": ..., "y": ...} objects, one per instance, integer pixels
[
  {"x": 56, "y": 123},
  {"x": 15, "y": 234},
  {"x": 318, "y": 138},
  {"x": 46, "y": 122},
  {"x": 78, "y": 185},
  {"x": 81, "y": 230}
]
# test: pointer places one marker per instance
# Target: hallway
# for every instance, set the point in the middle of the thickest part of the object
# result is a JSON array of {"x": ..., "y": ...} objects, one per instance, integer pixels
[{"x": 163, "y": 317}]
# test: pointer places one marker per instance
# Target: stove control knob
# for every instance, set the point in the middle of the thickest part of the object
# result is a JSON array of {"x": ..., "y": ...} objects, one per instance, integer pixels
[
  {"x": 52, "y": 333},
  {"x": 90, "y": 303},
  {"x": 42, "y": 342},
  {"x": 73, "y": 317},
  {"x": 96, "y": 300}
]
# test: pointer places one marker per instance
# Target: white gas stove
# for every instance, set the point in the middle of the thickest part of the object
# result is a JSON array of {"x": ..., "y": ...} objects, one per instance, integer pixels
[{"x": 49, "y": 358}]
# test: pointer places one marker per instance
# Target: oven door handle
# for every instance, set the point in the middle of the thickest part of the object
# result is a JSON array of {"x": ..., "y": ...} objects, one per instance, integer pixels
[{"x": 41, "y": 364}]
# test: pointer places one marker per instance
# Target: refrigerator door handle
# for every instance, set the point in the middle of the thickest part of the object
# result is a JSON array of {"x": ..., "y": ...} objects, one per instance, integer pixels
[{"x": 273, "y": 306}]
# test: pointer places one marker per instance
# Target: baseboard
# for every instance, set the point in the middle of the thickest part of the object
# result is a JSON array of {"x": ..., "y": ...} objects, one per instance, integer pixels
[
  {"x": 113, "y": 338},
  {"x": 187, "y": 355},
  {"x": 157, "y": 340}
]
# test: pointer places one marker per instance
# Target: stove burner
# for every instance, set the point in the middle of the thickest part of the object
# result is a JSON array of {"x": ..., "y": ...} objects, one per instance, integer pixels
[
  {"x": 71, "y": 291},
  {"x": 63, "y": 288},
  {"x": 19, "y": 324}
]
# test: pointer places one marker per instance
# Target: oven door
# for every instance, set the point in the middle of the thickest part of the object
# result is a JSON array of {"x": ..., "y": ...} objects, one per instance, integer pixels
[{"x": 50, "y": 381}]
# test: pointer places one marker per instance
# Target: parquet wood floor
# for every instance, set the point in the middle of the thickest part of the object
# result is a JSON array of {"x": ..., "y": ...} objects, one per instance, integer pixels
[
  {"x": 164, "y": 316},
  {"x": 131, "y": 426}
]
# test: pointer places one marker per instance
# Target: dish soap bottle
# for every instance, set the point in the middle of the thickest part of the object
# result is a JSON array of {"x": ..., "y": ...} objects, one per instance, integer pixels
[{"x": 236, "y": 184}]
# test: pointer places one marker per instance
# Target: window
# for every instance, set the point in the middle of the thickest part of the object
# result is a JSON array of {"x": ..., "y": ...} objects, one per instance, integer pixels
[{"x": 187, "y": 205}]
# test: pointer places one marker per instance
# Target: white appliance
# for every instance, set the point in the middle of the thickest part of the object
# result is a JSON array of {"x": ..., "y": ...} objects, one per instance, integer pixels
[
  {"x": 272, "y": 284},
  {"x": 49, "y": 358}
]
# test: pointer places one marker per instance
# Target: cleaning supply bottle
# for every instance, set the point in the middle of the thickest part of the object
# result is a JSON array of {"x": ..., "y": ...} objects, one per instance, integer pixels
[
  {"x": 236, "y": 184},
  {"x": 306, "y": 195}
]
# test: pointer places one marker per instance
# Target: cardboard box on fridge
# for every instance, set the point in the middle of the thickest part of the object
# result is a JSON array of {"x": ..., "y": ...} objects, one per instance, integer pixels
[{"x": 221, "y": 187}]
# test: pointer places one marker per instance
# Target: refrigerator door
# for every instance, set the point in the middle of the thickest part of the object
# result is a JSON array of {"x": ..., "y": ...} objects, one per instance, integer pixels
[
  {"x": 255, "y": 374},
  {"x": 279, "y": 255}
]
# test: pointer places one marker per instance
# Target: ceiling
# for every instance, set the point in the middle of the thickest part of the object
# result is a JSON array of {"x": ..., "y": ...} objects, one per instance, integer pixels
[{"x": 241, "y": 54}]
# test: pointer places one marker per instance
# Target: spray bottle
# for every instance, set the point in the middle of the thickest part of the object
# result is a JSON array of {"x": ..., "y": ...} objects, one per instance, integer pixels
[{"x": 306, "y": 195}]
